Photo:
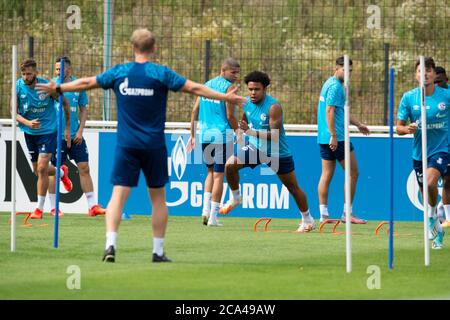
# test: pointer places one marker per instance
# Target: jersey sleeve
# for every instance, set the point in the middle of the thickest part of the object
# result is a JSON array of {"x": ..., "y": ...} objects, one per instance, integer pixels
[
  {"x": 83, "y": 101},
  {"x": 107, "y": 78},
  {"x": 403, "y": 112},
  {"x": 173, "y": 80},
  {"x": 333, "y": 96}
]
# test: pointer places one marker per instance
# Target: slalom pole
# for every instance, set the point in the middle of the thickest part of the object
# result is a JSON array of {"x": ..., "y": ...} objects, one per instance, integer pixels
[
  {"x": 13, "y": 146},
  {"x": 424, "y": 160},
  {"x": 58, "y": 157},
  {"x": 348, "y": 217},
  {"x": 391, "y": 169}
]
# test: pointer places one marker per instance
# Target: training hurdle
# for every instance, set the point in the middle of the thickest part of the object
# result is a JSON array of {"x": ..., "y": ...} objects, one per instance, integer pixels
[{"x": 25, "y": 221}]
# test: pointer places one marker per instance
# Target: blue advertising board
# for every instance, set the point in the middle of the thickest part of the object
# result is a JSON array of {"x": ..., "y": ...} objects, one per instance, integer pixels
[{"x": 265, "y": 196}]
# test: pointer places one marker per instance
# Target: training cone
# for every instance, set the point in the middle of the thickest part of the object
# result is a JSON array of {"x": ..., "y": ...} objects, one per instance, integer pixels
[{"x": 126, "y": 216}]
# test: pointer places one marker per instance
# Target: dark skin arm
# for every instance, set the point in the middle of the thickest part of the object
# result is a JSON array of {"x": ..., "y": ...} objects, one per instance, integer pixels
[{"x": 275, "y": 125}]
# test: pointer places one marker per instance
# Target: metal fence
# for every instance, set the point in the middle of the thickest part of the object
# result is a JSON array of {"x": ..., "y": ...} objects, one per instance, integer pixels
[{"x": 295, "y": 42}]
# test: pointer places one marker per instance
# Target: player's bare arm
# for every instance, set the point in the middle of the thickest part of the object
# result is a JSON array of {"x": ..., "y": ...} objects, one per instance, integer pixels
[
  {"x": 331, "y": 127},
  {"x": 194, "y": 118},
  {"x": 361, "y": 126},
  {"x": 402, "y": 128}
]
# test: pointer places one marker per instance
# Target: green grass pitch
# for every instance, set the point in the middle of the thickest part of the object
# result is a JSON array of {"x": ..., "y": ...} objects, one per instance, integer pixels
[{"x": 232, "y": 262}]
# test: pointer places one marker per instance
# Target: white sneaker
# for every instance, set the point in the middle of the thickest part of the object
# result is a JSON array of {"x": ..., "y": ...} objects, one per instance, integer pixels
[
  {"x": 214, "y": 224},
  {"x": 306, "y": 226},
  {"x": 232, "y": 203}
]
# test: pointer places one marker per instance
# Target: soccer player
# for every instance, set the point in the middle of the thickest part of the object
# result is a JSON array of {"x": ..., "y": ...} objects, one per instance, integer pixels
[
  {"x": 443, "y": 208},
  {"x": 216, "y": 137},
  {"x": 330, "y": 137},
  {"x": 37, "y": 119},
  {"x": 437, "y": 101},
  {"x": 78, "y": 150},
  {"x": 262, "y": 122},
  {"x": 141, "y": 89}
]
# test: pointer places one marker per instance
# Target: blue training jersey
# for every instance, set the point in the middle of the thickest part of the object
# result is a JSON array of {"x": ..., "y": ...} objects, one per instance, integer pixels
[
  {"x": 141, "y": 90},
  {"x": 258, "y": 119},
  {"x": 76, "y": 100},
  {"x": 213, "y": 115},
  {"x": 438, "y": 114},
  {"x": 332, "y": 94},
  {"x": 32, "y": 105}
]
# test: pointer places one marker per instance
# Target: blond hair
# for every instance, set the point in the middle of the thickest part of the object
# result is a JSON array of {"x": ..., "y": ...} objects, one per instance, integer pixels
[{"x": 143, "y": 40}]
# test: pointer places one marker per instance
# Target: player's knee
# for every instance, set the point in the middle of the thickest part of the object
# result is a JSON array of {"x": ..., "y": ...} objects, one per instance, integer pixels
[
  {"x": 83, "y": 169},
  {"x": 41, "y": 170},
  {"x": 231, "y": 164}
]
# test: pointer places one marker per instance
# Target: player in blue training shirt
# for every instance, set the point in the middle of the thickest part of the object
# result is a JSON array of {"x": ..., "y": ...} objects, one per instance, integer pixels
[
  {"x": 217, "y": 124},
  {"x": 78, "y": 151},
  {"x": 330, "y": 137},
  {"x": 262, "y": 122},
  {"x": 437, "y": 102},
  {"x": 141, "y": 89},
  {"x": 443, "y": 209},
  {"x": 36, "y": 115}
]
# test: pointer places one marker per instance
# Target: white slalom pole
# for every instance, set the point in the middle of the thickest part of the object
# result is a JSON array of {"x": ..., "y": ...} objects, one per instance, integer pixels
[
  {"x": 424, "y": 160},
  {"x": 14, "y": 147},
  {"x": 348, "y": 217}
]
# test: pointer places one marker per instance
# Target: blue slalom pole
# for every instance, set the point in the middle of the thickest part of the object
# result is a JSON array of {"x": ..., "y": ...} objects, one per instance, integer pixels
[
  {"x": 391, "y": 169},
  {"x": 58, "y": 156}
]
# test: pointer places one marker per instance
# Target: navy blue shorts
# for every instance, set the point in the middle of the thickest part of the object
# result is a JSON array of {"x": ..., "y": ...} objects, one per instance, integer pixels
[
  {"x": 78, "y": 153},
  {"x": 216, "y": 155},
  {"x": 43, "y": 143},
  {"x": 438, "y": 161},
  {"x": 128, "y": 163},
  {"x": 338, "y": 154},
  {"x": 252, "y": 157}
]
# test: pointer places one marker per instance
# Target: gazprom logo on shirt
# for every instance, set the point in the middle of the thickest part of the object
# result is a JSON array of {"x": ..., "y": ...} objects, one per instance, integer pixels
[
  {"x": 124, "y": 90},
  {"x": 210, "y": 100}
]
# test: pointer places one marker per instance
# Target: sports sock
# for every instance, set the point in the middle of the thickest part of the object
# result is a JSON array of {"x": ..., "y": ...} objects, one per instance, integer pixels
[
  {"x": 307, "y": 217},
  {"x": 235, "y": 194},
  {"x": 41, "y": 202},
  {"x": 215, "y": 206},
  {"x": 206, "y": 204},
  {"x": 90, "y": 197},
  {"x": 324, "y": 210},
  {"x": 111, "y": 239},
  {"x": 52, "y": 198},
  {"x": 158, "y": 246}
]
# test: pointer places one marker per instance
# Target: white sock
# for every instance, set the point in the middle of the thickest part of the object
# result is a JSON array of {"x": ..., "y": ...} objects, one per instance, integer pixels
[
  {"x": 324, "y": 210},
  {"x": 52, "y": 198},
  {"x": 235, "y": 194},
  {"x": 41, "y": 202},
  {"x": 158, "y": 246},
  {"x": 90, "y": 199},
  {"x": 432, "y": 211},
  {"x": 306, "y": 216},
  {"x": 111, "y": 239},
  {"x": 447, "y": 211},
  {"x": 351, "y": 209},
  {"x": 206, "y": 203},
  {"x": 215, "y": 206}
]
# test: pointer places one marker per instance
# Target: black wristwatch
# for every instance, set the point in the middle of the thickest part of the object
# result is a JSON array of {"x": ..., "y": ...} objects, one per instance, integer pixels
[{"x": 58, "y": 89}]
